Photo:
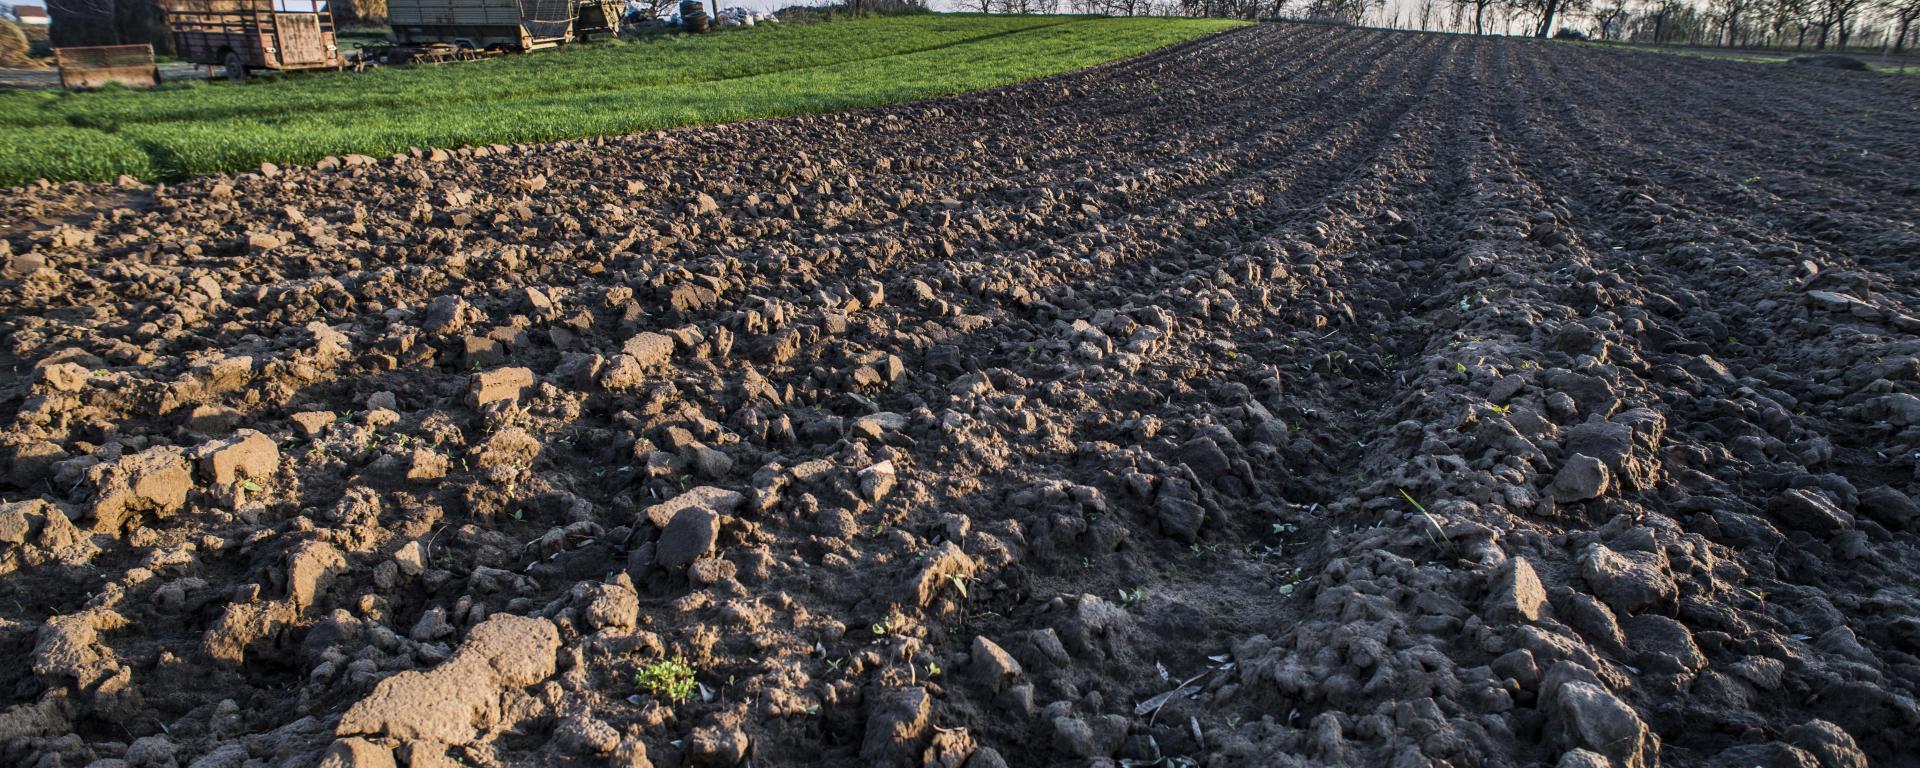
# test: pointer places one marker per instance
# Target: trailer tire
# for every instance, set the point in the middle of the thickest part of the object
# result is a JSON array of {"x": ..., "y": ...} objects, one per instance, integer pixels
[{"x": 236, "y": 67}]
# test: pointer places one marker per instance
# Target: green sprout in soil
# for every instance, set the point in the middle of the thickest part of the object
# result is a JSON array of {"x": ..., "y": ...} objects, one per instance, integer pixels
[
  {"x": 667, "y": 679},
  {"x": 1429, "y": 516}
]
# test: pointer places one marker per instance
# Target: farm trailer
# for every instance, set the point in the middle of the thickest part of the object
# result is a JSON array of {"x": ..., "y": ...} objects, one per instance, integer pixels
[
  {"x": 502, "y": 25},
  {"x": 241, "y": 36}
]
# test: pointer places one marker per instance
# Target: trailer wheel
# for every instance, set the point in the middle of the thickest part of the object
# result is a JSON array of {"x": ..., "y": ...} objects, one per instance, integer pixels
[{"x": 236, "y": 68}]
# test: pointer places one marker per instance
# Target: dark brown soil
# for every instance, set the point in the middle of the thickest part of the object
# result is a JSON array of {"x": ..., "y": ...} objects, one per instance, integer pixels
[{"x": 1296, "y": 396}]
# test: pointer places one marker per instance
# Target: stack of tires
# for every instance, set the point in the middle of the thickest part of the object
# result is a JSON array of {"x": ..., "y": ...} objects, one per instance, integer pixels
[{"x": 693, "y": 15}]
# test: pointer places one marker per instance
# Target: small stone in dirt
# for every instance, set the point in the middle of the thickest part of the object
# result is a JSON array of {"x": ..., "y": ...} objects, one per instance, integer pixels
[
  {"x": 154, "y": 481},
  {"x": 992, "y": 664},
  {"x": 249, "y": 456},
  {"x": 482, "y": 351},
  {"x": 355, "y": 753},
  {"x": 623, "y": 372},
  {"x": 411, "y": 558},
  {"x": 41, "y": 523},
  {"x": 1178, "y": 517},
  {"x": 649, "y": 349},
  {"x": 973, "y": 384},
  {"x": 311, "y": 567},
  {"x": 448, "y": 315},
  {"x": 213, "y": 419},
  {"x": 1808, "y": 511},
  {"x": 1629, "y": 582},
  {"x": 1582, "y": 758},
  {"x": 631, "y": 753},
  {"x": 312, "y": 423},
  {"x": 584, "y": 735},
  {"x": 1829, "y": 743},
  {"x": 1073, "y": 736},
  {"x": 1096, "y": 738},
  {"x": 431, "y": 626},
  {"x": 426, "y": 464},
  {"x": 1517, "y": 593},
  {"x": 692, "y": 533},
  {"x": 1890, "y": 507},
  {"x": 1205, "y": 457},
  {"x": 714, "y": 498},
  {"x": 944, "y": 564},
  {"x": 1584, "y": 477},
  {"x": 453, "y": 702},
  {"x": 1663, "y": 645},
  {"x": 711, "y": 463},
  {"x": 1176, "y": 510},
  {"x": 877, "y": 481},
  {"x": 152, "y": 752},
  {"x": 501, "y": 384},
  {"x": 1586, "y": 715},
  {"x": 715, "y": 746},
  {"x": 900, "y": 721},
  {"x": 612, "y": 605}
]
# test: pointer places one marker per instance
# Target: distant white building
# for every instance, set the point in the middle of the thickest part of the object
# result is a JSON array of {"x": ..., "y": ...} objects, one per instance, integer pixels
[{"x": 31, "y": 14}]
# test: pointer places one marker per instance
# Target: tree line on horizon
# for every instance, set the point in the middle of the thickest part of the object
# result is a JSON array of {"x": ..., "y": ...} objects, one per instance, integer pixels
[{"x": 1799, "y": 24}]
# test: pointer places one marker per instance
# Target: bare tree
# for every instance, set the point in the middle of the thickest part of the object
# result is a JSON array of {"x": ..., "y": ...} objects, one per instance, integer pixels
[
  {"x": 1479, "y": 7},
  {"x": 1727, "y": 14},
  {"x": 1836, "y": 16},
  {"x": 1113, "y": 7},
  {"x": 1903, "y": 13},
  {"x": 1544, "y": 13},
  {"x": 1610, "y": 19},
  {"x": 1661, "y": 16}
]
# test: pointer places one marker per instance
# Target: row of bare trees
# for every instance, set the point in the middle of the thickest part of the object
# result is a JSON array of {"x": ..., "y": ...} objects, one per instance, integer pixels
[{"x": 1816, "y": 24}]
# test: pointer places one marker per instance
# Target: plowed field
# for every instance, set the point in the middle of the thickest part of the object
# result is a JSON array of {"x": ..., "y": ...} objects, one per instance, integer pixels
[{"x": 1290, "y": 396}]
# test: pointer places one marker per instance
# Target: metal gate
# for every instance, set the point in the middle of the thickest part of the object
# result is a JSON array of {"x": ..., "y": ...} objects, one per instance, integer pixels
[
  {"x": 300, "y": 39},
  {"x": 96, "y": 65}
]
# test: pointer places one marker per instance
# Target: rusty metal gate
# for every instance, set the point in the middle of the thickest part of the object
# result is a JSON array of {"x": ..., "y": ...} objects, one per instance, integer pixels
[
  {"x": 93, "y": 66},
  {"x": 300, "y": 38}
]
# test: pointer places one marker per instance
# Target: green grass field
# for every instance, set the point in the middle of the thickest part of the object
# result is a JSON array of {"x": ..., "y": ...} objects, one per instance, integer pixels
[{"x": 771, "y": 70}]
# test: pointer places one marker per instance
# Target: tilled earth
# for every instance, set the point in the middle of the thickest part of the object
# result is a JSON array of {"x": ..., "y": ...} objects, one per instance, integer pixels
[{"x": 1294, "y": 396}]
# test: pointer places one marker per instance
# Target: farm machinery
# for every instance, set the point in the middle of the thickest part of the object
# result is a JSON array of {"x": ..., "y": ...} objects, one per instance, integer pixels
[
  {"x": 243, "y": 36},
  {"x": 437, "y": 30},
  {"x": 240, "y": 37}
]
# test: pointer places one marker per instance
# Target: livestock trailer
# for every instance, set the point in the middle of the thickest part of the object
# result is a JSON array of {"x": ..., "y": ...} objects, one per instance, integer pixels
[
  {"x": 515, "y": 25},
  {"x": 242, "y": 36}
]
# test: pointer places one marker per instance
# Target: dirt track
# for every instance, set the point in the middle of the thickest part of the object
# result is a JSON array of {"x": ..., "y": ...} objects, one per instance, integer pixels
[{"x": 1392, "y": 398}]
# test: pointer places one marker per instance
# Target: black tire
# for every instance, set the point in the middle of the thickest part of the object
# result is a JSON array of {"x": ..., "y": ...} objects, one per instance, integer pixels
[
  {"x": 693, "y": 16},
  {"x": 236, "y": 68}
]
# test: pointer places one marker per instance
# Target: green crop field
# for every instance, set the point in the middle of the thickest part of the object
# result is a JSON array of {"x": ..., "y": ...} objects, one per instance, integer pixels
[{"x": 770, "y": 70}]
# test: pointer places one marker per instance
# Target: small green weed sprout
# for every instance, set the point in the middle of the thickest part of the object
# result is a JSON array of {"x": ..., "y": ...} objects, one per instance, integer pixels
[{"x": 667, "y": 679}]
